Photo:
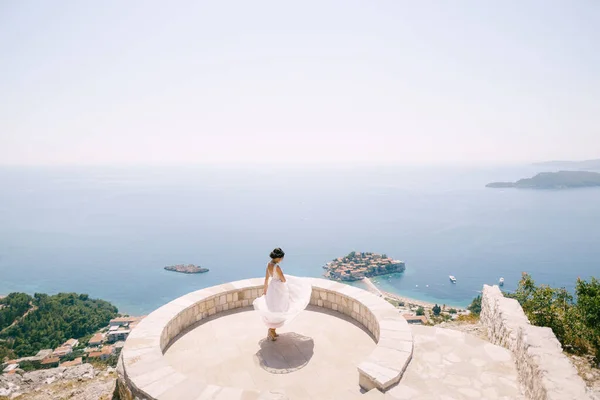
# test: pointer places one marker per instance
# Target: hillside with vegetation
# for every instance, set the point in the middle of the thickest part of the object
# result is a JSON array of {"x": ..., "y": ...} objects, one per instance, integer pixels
[
  {"x": 29, "y": 324},
  {"x": 574, "y": 318},
  {"x": 554, "y": 180}
]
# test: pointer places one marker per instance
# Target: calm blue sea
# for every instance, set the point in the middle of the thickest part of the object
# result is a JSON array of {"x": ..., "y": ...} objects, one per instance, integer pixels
[{"x": 110, "y": 231}]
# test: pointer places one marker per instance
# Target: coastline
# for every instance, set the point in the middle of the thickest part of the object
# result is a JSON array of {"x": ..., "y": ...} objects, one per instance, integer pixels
[{"x": 407, "y": 300}]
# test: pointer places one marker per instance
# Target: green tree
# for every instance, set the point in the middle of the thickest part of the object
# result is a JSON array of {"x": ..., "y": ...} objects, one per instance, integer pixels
[
  {"x": 436, "y": 310},
  {"x": 56, "y": 319},
  {"x": 588, "y": 309},
  {"x": 13, "y": 307},
  {"x": 574, "y": 320},
  {"x": 420, "y": 311},
  {"x": 475, "y": 306}
]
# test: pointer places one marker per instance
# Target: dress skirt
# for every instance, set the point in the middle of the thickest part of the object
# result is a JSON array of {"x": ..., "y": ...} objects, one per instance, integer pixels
[{"x": 283, "y": 301}]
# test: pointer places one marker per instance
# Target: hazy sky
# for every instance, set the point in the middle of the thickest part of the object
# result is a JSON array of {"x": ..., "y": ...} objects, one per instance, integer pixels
[{"x": 153, "y": 82}]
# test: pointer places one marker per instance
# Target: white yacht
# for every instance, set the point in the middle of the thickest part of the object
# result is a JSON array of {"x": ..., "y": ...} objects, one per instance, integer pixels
[
  {"x": 501, "y": 282},
  {"x": 452, "y": 279}
]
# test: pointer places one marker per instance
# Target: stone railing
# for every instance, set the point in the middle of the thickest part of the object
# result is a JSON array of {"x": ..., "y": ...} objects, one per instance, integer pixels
[
  {"x": 544, "y": 371},
  {"x": 145, "y": 374}
]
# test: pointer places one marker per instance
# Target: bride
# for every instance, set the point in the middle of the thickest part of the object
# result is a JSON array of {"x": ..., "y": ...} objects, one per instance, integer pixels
[{"x": 283, "y": 297}]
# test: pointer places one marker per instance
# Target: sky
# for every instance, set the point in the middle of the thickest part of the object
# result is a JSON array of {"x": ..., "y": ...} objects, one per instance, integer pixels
[{"x": 311, "y": 82}]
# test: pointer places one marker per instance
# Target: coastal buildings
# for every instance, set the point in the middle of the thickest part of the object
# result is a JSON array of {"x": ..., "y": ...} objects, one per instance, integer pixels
[
  {"x": 123, "y": 321},
  {"x": 356, "y": 266},
  {"x": 120, "y": 328},
  {"x": 71, "y": 343},
  {"x": 103, "y": 354},
  {"x": 50, "y": 362},
  {"x": 116, "y": 333},
  {"x": 62, "y": 351},
  {"x": 96, "y": 340},
  {"x": 102, "y": 346},
  {"x": 73, "y": 363}
]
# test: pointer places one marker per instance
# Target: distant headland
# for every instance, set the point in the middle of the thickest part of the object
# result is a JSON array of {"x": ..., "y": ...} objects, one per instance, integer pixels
[
  {"x": 553, "y": 180},
  {"x": 187, "y": 269},
  {"x": 356, "y": 266},
  {"x": 581, "y": 165}
]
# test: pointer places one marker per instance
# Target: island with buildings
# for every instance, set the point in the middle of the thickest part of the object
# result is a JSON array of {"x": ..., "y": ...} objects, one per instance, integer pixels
[
  {"x": 186, "y": 269},
  {"x": 356, "y": 266},
  {"x": 553, "y": 180}
]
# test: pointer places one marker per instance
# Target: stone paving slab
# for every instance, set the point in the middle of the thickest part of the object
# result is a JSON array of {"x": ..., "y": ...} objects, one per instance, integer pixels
[
  {"x": 452, "y": 365},
  {"x": 315, "y": 357}
]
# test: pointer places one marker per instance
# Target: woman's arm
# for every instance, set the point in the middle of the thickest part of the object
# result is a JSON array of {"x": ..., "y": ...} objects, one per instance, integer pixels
[
  {"x": 280, "y": 272},
  {"x": 266, "y": 285}
]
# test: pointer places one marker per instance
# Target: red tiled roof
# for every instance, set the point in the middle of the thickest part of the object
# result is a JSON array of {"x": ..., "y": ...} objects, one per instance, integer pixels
[
  {"x": 98, "y": 337},
  {"x": 77, "y": 361},
  {"x": 107, "y": 350},
  {"x": 50, "y": 360}
]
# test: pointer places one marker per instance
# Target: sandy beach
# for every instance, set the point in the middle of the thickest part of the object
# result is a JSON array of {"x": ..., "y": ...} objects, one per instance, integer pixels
[{"x": 406, "y": 300}]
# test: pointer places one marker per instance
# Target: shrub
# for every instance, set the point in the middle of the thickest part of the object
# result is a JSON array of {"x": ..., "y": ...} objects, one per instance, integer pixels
[
  {"x": 575, "y": 320},
  {"x": 475, "y": 306}
]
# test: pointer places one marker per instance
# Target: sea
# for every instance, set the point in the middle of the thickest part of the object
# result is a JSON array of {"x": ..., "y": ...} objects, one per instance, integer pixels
[{"x": 110, "y": 231}]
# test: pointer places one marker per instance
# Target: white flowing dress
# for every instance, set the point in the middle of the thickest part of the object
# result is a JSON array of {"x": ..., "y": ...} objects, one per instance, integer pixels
[{"x": 284, "y": 300}]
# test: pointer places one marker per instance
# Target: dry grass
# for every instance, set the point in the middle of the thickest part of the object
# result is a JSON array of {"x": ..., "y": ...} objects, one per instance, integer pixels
[{"x": 468, "y": 318}]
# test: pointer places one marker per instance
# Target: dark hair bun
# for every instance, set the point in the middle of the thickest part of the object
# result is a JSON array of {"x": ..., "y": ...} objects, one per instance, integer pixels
[{"x": 277, "y": 253}]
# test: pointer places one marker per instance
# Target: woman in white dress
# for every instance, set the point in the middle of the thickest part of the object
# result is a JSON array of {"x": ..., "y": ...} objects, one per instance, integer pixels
[{"x": 283, "y": 297}]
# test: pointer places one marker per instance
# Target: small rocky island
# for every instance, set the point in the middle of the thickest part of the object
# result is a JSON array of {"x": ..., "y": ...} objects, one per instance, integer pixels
[
  {"x": 356, "y": 266},
  {"x": 186, "y": 269},
  {"x": 553, "y": 180}
]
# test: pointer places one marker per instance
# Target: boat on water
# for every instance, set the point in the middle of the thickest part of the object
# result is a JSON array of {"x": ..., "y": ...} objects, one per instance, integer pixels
[
  {"x": 501, "y": 282},
  {"x": 452, "y": 279}
]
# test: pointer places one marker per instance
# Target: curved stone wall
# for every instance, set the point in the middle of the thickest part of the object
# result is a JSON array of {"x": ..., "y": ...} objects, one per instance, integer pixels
[
  {"x": 145, "y": 374},
  {"x": 544, "y": 371}
]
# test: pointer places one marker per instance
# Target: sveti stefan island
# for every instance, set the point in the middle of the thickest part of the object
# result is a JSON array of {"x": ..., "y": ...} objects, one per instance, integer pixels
[{"x": 356, "y": 266}]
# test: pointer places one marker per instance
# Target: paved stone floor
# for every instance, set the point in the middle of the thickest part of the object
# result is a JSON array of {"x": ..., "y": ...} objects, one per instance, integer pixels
[
  {"x": 452, "y": 365},
  {"x": 314, "y": 358},
  {"x": 317, "y": 354}
]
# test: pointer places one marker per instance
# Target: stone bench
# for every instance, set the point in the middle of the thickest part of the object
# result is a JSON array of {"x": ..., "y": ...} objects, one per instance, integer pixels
[{"x": 145, "y": 374}]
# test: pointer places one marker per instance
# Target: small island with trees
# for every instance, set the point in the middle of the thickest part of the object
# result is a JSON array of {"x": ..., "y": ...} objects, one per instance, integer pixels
[
  {"x": 554, "y": 180},
  {"x": 186, "y": 269},
  {"x": 356, "y": 266}
]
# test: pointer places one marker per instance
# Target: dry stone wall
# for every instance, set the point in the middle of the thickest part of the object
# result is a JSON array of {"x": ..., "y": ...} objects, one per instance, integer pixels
[{"x": 544, "y": 371}]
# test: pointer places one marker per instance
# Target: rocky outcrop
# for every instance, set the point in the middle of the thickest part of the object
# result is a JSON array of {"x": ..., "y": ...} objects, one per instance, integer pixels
[
  {"x": 544, "y": 371},
  {"x": 14, "y": 384},
  {"x": 187, "y": 269}
]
